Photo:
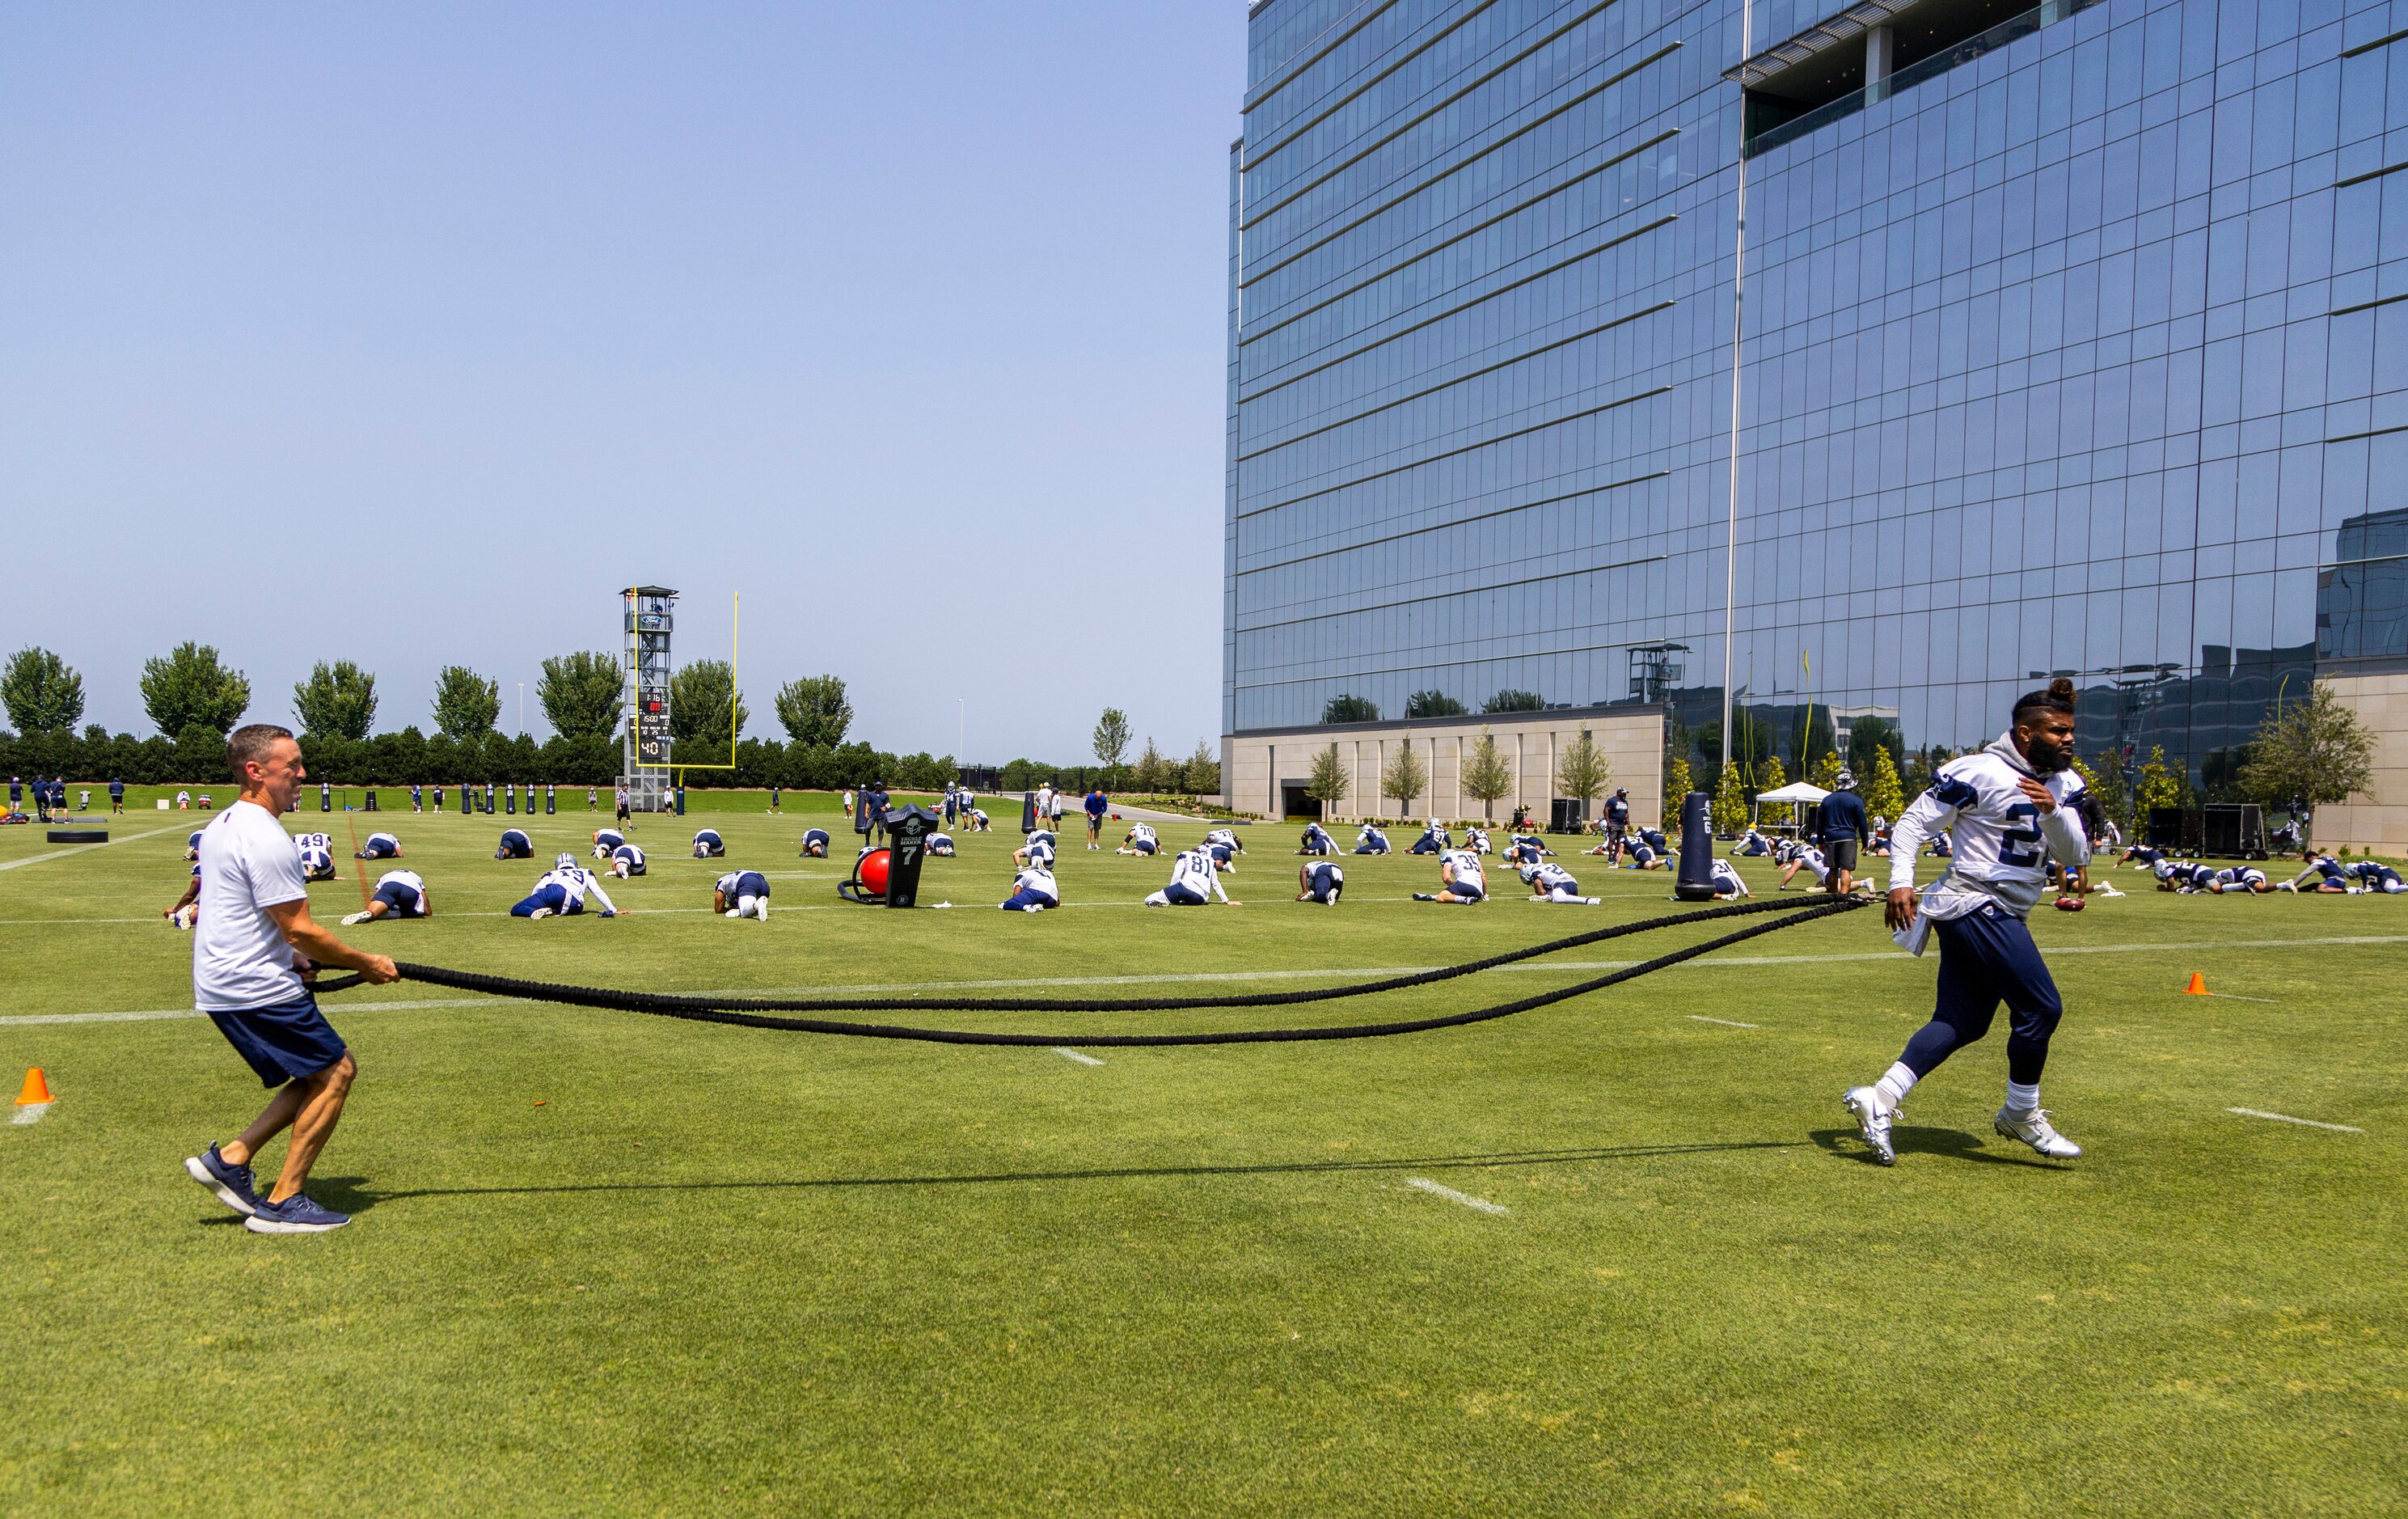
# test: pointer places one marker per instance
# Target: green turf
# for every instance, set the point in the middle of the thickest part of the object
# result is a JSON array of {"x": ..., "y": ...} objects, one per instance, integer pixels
[{"x": 608, "y": 1263}]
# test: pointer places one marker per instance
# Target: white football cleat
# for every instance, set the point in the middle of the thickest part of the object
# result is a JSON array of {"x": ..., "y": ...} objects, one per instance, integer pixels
[
  {"x": 761, "y": 911},
  {"x": 354, "y": 920},
  {"x": 2035, "y": 1129},
  {"x": 1872, "y": 1121},
  {"x": 539, "y": 912},
  {"x": 735, "y": 912}
]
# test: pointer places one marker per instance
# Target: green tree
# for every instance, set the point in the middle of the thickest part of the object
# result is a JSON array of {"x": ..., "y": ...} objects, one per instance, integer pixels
[
  {"x": 1147, "y": 774},
  {"x": 581, "y": 694},
  {"x": 1865, "y": 735},
  {"x": 2309, "y": 753},
  {"x": 704, "y": 702},
  {"x": 1827, "y": 771},
  {"x": 337, "y": 701},
  {"x": 1884, "y": 796},
  {"x": 1677, "y": 787},
  {"x": 1350, "y": 709},
  {"x": 1328, "y": 781},
  {"x": 1582, "y": 770},
  {"x": 188, "y": 688},
  {"x": 2157, "y": 786},
  {"x": 1404, "y": 777},
  {"x": 1433, "y": 704},
  {"x": 1110, "y": 739},
  {"x": 2105, "y": 776},
  {"x": 43, "y": 695},
  {"x": 1730, "y": 802},
  {"x": 1200, "y": 775},
  {"x": 1512, "y": 699},
  {"x": 1773, "y": 779},
  {"x": 1486, "y": 773},
  {"x": 466, "y": 704},
  {"x": 814, "y": 711}
]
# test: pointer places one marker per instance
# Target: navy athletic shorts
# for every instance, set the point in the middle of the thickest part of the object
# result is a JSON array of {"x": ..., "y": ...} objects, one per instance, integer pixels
[{"x": 283, "y": 1042}]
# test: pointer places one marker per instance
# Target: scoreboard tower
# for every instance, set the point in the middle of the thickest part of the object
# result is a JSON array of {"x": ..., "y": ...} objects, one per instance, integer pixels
[{"x": 645, "y": 770}]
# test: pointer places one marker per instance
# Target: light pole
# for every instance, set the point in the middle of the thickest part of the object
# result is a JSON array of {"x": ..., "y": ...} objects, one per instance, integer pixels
[
  {"x": 961, "y": 728},
  {"x": 522, "y": 709}
]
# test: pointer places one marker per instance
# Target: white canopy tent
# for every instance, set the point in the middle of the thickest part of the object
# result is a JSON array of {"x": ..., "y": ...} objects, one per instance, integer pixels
[{"x": 1798, "y": 791}]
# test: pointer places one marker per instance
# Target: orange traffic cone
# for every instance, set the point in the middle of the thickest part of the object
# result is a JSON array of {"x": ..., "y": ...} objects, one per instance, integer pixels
[
  {"x": 36, "y": 1088},
  {"x": 2197, "y": 987}
]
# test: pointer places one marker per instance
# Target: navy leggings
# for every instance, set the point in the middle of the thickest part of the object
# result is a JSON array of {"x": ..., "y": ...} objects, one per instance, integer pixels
[{"x": 1985, "y": 958}]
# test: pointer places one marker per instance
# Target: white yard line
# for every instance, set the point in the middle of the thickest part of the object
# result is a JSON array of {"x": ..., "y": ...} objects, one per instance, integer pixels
[
  {"x": 1072, "y": 1054},
  {"x": 2285, "y": 1117},
  {"x": 2235, "y": 996},
  {"x": 79, "y": 849},
  {"x": 1478, "y": 1204},
  {"x": 1700, "y": 1018},
  {"x": 31, "y": 1113}
]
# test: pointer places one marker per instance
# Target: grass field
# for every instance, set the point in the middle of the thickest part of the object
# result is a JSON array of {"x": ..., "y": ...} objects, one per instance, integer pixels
[{"x": 610, "y": 1262}]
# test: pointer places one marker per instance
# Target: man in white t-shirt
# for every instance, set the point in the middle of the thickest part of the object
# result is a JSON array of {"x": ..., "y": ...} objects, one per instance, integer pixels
[{"x": 253, "y": 946}]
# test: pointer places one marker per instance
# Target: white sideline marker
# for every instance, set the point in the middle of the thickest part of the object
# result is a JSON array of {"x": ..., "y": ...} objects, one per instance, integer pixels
[
  {"x": 1478, "y": 1204},
  {"x": 1072, "y": 1054},
  {"x": 31, "y": 1113},
  {"x": 1700, "y": 1018},
  {"x": 2285, "y": 1117}
]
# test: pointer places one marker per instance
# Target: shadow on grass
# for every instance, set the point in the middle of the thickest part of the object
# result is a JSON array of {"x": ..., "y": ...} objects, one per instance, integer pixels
[
  {"x": 1954, "y": 1143},
  {"x": 345, "y": 1192}
]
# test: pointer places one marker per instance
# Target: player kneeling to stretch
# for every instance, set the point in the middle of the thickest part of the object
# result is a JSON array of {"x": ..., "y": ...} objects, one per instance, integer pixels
[
  {"x": 1033, "y": 890},
  {"x": 941, "y": 844},
  {"x": 399, "y": 893},
  {"x": 815, "y": 844},
  {"x": 1806, "y": 858},
  {"x": 1476, "y": 840},
  {"x": 1140, "y": 840},
  {"x": 1551, "y": 882},
  {"x": 708, "y": 845},
  {"x": 1370, "y": 841},
  {"x": 1317, "y": 841},
  {"x": 515, "y": 846},
  {"x": 2008, "y": 808},
  {"x": 606, "y": 840},
  {"x": 1650, "y": 850},
  {"x": 1036, "y": 854},
  {"x": 316, "y": 865},
  {"x": 1319, "y": 881},
  {"x": 1434, "y": 840},
  {"x": 1460, "y": 880},
  {"x": 741, "y": 894},
  {"x": 380, "y": 846},
  {"x": 1195, "y": 881},
  {"x": 1727, "y": 881},
  {"x": 627, "y": 860},
  {"x": 1225, "y": 836},
  {"x": 561, "y": 892}
]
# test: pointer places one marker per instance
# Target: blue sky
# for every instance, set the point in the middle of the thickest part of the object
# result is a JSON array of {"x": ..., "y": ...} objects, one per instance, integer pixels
[{"x": 409, "y": 334}]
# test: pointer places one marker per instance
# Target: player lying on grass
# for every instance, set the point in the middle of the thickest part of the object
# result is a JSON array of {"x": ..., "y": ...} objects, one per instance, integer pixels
[
  {"x": 1317, "y": 841},
  {"x": 2008, "y": 808},
  {"x": 1140, "y": 840},
  {"x": 815, "y": 844},
  {"x": 606, "y": 840},
  {"x": 708, "y": 845},
  {"x": 1460, "y": 880},
  {"x": 2190, "y": 878},
  {"x": 562, "y": 892},
  {"x": 1370, "y": 841},
  {"x": 1033, "y": 890},
  {"x": 1195, "y": 881},
  {"x": 380, "y": 846},
  {"x": 741, "y": 894},
  {"x": 515, "y": 845},
  {"x": 1551, "y": 882},
  {"x": 626, "y": 861},
  {"x": 399, "y": 893},
  {"x": 1318, "y": 880},
  {"x": 2331, "y": 878}
]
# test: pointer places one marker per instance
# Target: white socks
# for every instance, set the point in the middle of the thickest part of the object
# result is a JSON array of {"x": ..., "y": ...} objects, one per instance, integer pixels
[
  {"x": 1895, "y": 1084},
  {"x": 2022, "y": 1099}
]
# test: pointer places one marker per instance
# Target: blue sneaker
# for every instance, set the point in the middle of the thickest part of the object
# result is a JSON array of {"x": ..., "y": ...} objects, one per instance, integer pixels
[
  {"x": 231, "y": 1182},
  {"x": 297, "y": 1214}
]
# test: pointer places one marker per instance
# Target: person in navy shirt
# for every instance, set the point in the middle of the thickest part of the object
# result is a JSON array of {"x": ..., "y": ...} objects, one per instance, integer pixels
[{"x": 115, "y": 793}]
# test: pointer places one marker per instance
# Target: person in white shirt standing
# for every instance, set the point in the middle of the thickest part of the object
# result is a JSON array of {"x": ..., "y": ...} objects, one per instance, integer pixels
[
  {"x": 2006, "y": 809},
  {"x": 253, "y": 949}
]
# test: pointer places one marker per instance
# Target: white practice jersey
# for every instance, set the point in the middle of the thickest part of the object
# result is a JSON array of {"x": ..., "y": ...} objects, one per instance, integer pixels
[
  {"x": 1726, "y": 880},
  {"x": 1223, "y": 835},
  {"x": 2001, "y": 841},
  {"x": 632, "y": 853},
  {"x": 1466, "y": 867},
  {"x": 1141, "y": 833},
  {"x": 1038, "y": 880},
  {"x": 322, "y": 842},
  {"x": 1194, "y": 870},
  {"x": 1550, "y": 876},
  {"x": 409, "y": 878},
  {"x": 386, "y": 840},
  {"x": 578, "y": 884}
]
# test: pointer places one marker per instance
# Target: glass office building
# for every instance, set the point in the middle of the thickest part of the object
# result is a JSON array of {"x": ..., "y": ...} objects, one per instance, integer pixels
[{"x": 1818, "y": 365}]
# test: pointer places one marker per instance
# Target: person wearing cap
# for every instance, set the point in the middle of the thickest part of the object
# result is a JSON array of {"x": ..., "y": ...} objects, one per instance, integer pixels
[{"x": 1840, "y": 828}]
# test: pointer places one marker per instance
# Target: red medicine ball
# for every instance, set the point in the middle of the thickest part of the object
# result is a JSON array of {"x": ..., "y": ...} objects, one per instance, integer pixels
[{"x": 871, "y": 872}]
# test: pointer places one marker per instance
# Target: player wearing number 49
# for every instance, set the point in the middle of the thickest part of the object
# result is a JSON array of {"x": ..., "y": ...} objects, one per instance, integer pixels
[{"x": 2007, "y": 808}]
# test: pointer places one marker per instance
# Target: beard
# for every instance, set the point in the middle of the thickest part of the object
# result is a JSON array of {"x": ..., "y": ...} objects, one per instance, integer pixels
[{"x": 2046, "y": 756}]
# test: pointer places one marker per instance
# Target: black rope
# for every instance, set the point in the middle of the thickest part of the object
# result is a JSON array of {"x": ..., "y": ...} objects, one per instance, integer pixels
[
  {"x": 641, "y": 1002},
  {"x": 706, "y": 1011}
]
